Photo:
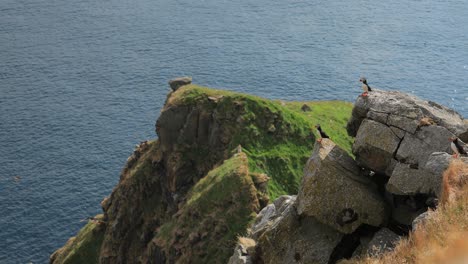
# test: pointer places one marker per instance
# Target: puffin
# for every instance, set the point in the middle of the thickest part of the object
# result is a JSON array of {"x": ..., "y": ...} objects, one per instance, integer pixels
[
  {"x": 457, "y": 147},
  {"x": 365, "y": 87},
  {"x": 321, "y": 133}
]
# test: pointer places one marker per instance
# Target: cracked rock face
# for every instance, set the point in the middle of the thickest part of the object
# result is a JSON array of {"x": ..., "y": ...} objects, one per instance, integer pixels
[
  {"x": 284, "y": 237},
  {"x": 404, "y": 111},
  {"x": 334, "y": 191},
  {"x": 375, "y": 146},
  {"x": 397, "y": 134}
]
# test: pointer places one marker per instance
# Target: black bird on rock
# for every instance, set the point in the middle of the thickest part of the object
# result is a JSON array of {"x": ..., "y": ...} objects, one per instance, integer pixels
[
  {"x": 457, "y": 147},
  {"x": 365, "y": 87},
  {"x": 321, "y": 133}
]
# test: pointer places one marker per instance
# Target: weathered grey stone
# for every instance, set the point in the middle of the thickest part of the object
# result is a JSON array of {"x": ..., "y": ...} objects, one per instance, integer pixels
[
  {"x": 383, "y": 241},
  {"x": 427, "y": 179},
  {"x": 375, "y": 146},
  {"x": 272, "y": 214},
  {"x": 437, "y": 163},
  {"x": 408, "y": 181},
  {"x": 334, "y": 191},
  {"x": 291, "y": 240},
  {"x": 404, "y": 123},
  {"x": 379, "y": 117},
  {"x": 283, "y": 237},
  {"x": 398, "y": 132},
  {"x": 400, "y": 105},
  {"x": 179, "y": 82},
  {"x": 416, "y": 149}
]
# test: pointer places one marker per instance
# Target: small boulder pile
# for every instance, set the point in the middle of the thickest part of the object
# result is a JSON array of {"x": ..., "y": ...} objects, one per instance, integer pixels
[{"x": 349, "y": 207}]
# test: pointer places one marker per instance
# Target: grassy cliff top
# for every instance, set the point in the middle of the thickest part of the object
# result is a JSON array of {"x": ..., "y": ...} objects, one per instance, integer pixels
[
  {"x": 278, "y": 136},
  {"x": 331, "y": 115}
]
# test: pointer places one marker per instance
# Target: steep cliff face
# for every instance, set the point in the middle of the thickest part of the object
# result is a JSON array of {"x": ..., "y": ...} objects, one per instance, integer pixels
[
  {"x": 184, "y": 197},
  {"x": 218, "y": 208}
]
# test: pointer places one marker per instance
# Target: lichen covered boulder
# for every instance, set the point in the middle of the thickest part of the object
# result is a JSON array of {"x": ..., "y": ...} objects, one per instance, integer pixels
[{"x": 336, "y": 193}]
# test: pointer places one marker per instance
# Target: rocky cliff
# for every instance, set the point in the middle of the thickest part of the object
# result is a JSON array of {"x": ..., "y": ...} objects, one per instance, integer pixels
[
  {"x": 221, "y": 156},
  {"x": 349, "y": 207},
  {"x": 185, "y": 197}
]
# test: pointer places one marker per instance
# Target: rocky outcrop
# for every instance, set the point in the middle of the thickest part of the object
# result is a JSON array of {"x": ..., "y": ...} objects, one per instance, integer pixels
[
  {"x": 179, "y": 82},
  {"x": 284, "y": 237},
  {"x": 375, "y": 146},
  {"x": 337, "y": 203},
  {"x": 335, "y": 191},
  {"x": 198, "y": 129},
  {"x": 404, "y": 111},
  {"x": 186, "y": 196},
  {"x": 404, "y": 141},
  {"x": 401, "y": 145},
  {"x": 401, "y": 137}
]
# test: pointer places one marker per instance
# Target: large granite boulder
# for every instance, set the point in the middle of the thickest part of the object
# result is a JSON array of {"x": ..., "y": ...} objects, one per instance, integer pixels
[
  {"x": 375, "y": 145},
  {"x": 284, "y": 237},
  {"x": 416, "y": 149},
  {"x": 404, "y": 111},
  {"x": 336, "y": 193},
  {"x": 408, "y": 181},
  {"x": 176, "y": 83},
  {"x": 423, "y": 180},
  {"x": 397, "y": 134}
]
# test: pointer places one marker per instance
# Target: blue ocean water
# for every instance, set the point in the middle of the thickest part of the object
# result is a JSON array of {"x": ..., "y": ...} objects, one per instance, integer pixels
[{"x": 82, "y": 81}]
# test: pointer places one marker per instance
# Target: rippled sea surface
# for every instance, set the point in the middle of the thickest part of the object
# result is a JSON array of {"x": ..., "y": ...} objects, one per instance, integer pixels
[{"x": 82, "y": 81}]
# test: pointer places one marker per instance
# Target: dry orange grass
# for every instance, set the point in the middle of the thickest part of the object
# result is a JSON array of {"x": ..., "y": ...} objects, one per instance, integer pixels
[
  {"x": 443, "y": 237},
  {"x": 455, "y": 182}
]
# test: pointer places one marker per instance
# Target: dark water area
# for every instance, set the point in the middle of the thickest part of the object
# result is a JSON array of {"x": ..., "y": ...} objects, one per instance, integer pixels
[{"x": 81, "y": 82}]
